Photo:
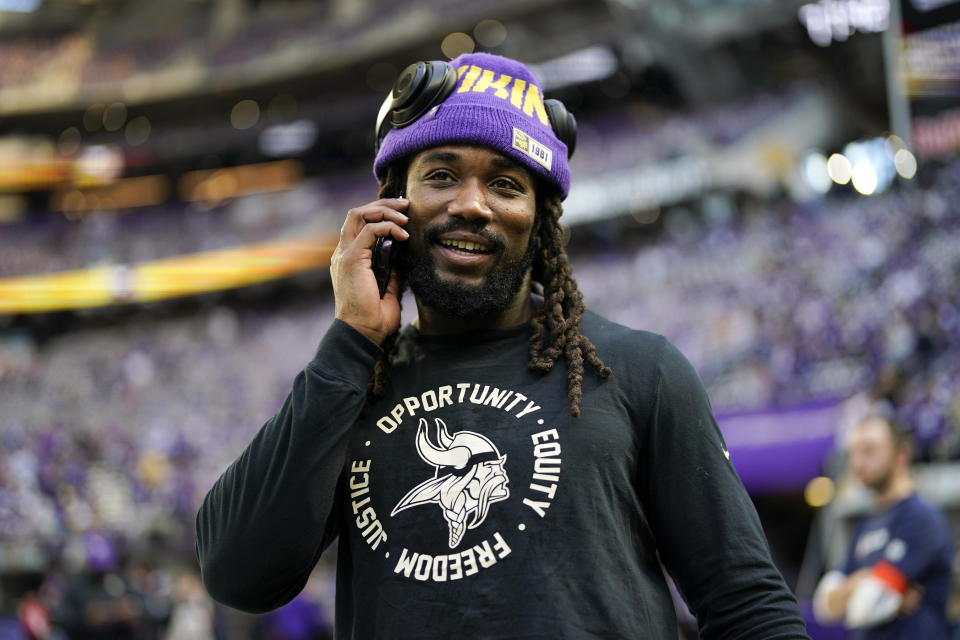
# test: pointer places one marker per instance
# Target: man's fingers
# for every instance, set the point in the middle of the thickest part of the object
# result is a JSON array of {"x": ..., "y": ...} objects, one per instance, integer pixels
[
  {"x": 355, "y": 289},
  {"x": 371, "y": 231},
  {"x": 377, "y": 211}
]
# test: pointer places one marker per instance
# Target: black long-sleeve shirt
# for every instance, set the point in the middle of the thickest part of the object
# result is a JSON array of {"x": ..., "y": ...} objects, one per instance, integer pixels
[{"x": 468, "y": 502}]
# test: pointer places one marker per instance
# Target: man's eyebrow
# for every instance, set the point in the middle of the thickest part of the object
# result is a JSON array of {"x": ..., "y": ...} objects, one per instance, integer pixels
[
  {"x": 498, "y": 162},
  {"x": 441, "y": 156},
  {"x": 503, "y": 162}
]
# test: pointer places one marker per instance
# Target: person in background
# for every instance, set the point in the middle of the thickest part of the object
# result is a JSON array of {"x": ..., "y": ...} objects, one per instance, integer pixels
[{"x": 896, "y": 578}]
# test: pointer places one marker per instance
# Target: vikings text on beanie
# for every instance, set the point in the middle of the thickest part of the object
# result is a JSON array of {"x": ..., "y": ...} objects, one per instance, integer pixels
[{"x": 497, "y": 103}]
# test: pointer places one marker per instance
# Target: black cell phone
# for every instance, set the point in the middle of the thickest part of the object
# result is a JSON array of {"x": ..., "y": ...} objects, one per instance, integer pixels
[{"x": 381, "y": 262}]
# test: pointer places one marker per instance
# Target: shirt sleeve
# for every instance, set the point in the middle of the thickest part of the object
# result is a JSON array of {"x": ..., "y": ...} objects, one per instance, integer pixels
[
  {"x": 706, "y": 527},
  {"x": 266, "y": 520},
  {"x": 914, "y": 544}
]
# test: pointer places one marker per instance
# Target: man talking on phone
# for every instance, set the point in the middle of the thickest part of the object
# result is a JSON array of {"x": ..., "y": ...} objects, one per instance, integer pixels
[{"x": 510, "y": 465}]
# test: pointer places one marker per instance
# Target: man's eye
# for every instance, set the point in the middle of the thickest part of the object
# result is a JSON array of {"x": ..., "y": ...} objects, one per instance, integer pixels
[
  {"x": 441, "y": 175},
  {"x": 506, "y": 183}
]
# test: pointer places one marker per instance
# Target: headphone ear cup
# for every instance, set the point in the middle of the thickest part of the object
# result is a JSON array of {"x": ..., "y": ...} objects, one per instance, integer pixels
[
  {"x": 382, "y": 115},
  {"x": 418, "y": 88},
  {"x": 563, "y": 123}
]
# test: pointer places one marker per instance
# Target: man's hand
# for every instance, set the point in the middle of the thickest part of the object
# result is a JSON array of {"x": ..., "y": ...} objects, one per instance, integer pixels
[
  {"x": 833, "y": 593},
  {"x": 911, "y": 600},
  {"x": 838, "y": 599},
  {"x": 356, "y": 295}
]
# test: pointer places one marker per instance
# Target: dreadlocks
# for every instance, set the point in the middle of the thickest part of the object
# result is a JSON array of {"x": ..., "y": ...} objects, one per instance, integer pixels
[{"x": 556, "y": 324}]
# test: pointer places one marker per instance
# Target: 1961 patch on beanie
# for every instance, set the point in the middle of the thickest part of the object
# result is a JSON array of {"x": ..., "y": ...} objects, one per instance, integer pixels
[{"x": 497, "y": 103}]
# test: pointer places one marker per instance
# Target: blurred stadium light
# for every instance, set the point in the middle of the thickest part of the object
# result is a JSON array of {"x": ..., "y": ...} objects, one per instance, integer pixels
[
  {"x": 577, "y": 67},
  {"x": 829, "y": 20},
  {"x": 25, "y": 6}
]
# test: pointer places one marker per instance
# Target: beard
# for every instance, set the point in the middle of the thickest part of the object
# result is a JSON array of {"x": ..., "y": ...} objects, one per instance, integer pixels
[
  {"x": 457, "y": 299},
  {"x": 881, "y": 482}
]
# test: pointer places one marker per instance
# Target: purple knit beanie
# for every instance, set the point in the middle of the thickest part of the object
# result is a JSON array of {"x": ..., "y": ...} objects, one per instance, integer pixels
[{"x": 498, "y": 104}]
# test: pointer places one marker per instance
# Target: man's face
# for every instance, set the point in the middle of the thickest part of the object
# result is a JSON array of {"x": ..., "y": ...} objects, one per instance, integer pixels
[
  {"x": 872, "y": 455},
  {"x": 471, "y": 215}
]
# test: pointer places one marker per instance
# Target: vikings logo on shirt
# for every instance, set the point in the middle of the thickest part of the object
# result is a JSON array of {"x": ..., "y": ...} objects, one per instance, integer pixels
[{"x": 468, "y": 477}]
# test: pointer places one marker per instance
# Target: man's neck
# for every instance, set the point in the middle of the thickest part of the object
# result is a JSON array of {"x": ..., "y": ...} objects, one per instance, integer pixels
[
  {"x": 901, "y": 486},
  {"x": 431, "y": 322}
]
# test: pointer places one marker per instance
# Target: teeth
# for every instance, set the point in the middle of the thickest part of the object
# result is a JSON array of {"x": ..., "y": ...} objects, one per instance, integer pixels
[{"x": 462, "y": 244}]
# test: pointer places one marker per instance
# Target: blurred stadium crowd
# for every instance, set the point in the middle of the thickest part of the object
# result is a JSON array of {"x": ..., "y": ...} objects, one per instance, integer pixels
[
  {"x": 50, "y": 242},
  {"x": 783, "y": 304},
  {"x": 180, "y": 40}
]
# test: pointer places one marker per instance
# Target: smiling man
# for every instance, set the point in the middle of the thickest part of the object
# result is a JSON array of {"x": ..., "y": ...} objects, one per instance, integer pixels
[{"x": 479, "y": 487}]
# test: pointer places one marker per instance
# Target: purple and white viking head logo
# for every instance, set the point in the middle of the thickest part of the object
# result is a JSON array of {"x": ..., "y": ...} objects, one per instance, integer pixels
[{"x": 468, "y": 476}]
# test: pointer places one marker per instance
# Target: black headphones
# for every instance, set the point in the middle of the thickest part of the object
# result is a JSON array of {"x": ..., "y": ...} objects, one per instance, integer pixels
[{"x": 423, "y": 85}]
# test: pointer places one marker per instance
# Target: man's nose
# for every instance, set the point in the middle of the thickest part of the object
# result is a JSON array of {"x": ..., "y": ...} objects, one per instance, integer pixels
[{"x": 470, "y": 202}]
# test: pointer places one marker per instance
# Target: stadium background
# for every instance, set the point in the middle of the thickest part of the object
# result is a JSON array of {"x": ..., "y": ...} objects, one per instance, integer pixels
[{"x": 772, "y": 184}]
